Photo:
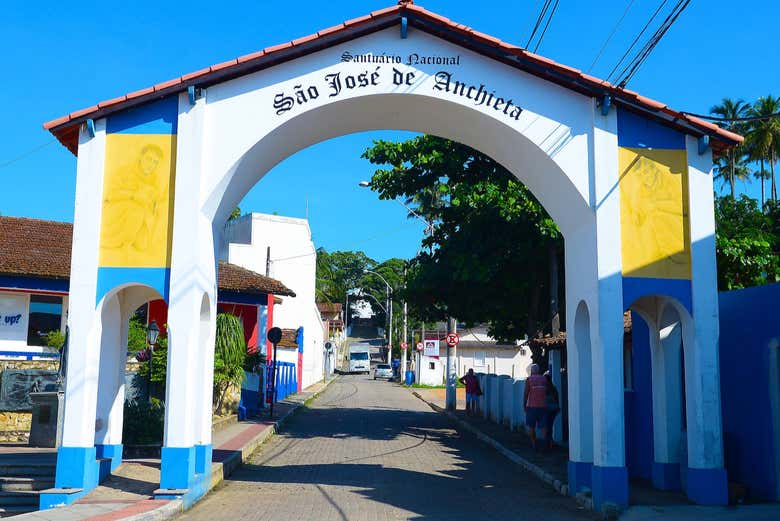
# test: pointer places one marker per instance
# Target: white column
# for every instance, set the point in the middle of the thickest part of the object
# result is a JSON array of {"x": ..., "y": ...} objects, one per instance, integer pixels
[
  {"x": 111, "y": 380},
  {"x": 706, "y": 478},
  {"x": 609, "y": 475},
  {"x": 83, "y": 318},
  {"x": 705, "y": 442},
  {"x": 193, "y": 275}
]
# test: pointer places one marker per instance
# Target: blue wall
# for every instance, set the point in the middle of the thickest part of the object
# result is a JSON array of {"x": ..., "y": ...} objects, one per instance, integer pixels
[
  {"x": 639, "y": 404},
  {"x": 749, "y": 333}
]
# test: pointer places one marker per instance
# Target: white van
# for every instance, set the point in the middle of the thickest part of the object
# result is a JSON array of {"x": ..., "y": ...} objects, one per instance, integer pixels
[{"x": 360, "y": 358}]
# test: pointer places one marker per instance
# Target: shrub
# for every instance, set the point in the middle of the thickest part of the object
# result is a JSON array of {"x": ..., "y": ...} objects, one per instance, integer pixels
[
  {"x": 143, "y": 422},
  {"x": 229, "y": 356}
]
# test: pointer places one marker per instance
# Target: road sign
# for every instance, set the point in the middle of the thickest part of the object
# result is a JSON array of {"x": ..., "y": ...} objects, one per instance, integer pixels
[
  {"x": 431, "y": 348},
  {"x": 453, "y": 339},
  {"x": 420, "y": 346},
  {"x": 404, "y": 345}
]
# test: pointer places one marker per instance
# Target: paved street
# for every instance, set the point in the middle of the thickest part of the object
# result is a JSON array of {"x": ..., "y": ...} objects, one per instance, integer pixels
[{"x": 370, "y": 450}]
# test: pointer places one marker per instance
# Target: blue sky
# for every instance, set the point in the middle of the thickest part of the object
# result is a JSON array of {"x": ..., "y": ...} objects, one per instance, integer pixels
[{"x": 63, "y": 56}]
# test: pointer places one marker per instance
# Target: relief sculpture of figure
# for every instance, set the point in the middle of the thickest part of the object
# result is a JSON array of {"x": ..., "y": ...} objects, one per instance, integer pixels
[
  {"x": 133, "y": 202},
  {"x": 657, "y": 215}
]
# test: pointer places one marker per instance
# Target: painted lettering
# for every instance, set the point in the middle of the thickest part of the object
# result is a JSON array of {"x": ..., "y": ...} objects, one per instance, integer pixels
[{"x": 283, "y": 103}]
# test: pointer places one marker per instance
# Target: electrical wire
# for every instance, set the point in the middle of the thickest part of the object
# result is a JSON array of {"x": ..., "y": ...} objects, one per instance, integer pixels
[
  {"x": 539, "y": 19},
  {"x": 636, "y": 39},
  {"x": 641, "y": 57},
  {"x": 25, "y": 154},
  {"x": 609, "y": 38},
  {"x": 549, "y": 18},
  {"x": 726, "y": 120}
]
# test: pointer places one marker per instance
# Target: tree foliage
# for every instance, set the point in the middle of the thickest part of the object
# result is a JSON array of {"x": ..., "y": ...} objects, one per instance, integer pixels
[
  {"x": 229, "y": 355},
  {"x": 486, "y": 258},
  {"x": 747, "y": 243}
]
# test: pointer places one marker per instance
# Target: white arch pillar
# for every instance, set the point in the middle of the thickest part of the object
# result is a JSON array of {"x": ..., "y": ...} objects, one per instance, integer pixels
[
  {"x": 77, "y": 466},
  {"x": 706, "y": 481},
  {"x": 186, "y": 455},
  {"x": 610, "y": 476}
]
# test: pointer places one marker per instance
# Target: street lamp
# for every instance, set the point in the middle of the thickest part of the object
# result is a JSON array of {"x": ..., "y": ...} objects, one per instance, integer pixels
[
  {"x": 428, "y": 224},
  {"x": 388, "y": 312},
  {"x": 152, "y": 332}
]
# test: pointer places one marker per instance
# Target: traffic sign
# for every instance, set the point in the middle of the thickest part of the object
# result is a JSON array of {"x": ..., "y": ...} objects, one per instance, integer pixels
[
  {"x": 404, "y": 345},
  {"x": 453, "y": 339},
  {"x": 420, "y": 346}
]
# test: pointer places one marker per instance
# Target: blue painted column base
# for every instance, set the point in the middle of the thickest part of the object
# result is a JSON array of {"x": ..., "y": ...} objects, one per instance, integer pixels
[
  {"x": 610, "y": 485},
  {"x": 109, "y": 458},
  {"x": 76, "y": 475},
  {"x": 185, "y": 473},
  {"x": 708, "y": 486},
  {"x": 666, "y": 476},
  {"x": 579, "y": 476}
]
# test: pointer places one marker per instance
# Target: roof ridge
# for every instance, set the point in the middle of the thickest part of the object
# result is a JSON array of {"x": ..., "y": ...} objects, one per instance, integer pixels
[{"x": 62, "y": 127}]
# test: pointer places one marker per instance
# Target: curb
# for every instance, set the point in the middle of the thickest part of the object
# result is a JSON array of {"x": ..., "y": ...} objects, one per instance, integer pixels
[
  {"x": 222, "y": 470},
  {"x": 559, "y": 486}
]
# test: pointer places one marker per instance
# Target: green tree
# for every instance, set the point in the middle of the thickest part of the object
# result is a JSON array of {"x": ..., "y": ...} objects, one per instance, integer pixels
[
  {"x": 746, "y": 243},
  {"x": 763, "y": 136},
  {"x": 229, "y": 355},
  {"x": 733, "y": 165},
  {"x": 486, "y": 259},
  {"x": 339, "y": 272}
]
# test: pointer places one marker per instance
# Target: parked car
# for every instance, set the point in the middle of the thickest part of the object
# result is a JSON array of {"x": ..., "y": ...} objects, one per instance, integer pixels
[{"x": 383, "y": 371}]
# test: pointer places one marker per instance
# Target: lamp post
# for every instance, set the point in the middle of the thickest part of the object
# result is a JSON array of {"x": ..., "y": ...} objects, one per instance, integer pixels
[
  {"x": 152, "y": 332},
  {"x": 388, "y": 312}
]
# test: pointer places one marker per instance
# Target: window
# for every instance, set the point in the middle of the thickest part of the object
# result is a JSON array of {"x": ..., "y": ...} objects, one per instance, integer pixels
[
  {"x": 45, "y": 315},
  {"x": 479, "y": 359},
  {"x": 358, "y": 356}
]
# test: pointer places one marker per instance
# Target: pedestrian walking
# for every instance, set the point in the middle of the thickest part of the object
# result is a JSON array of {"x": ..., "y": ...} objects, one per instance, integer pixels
[
  {"x": 552, "y": 401},
  {"x": 535, "y": 403},
  {"x": 473, "y": 391}
]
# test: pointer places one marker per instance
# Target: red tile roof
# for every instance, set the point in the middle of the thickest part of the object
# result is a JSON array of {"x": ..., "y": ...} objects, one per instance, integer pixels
[
  {"x": 36, "y": 248},
  {"x": 66, "y": 127}
]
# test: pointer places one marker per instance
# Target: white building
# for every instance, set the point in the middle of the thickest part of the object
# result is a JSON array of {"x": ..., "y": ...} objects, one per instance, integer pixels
[
  {"x": 479, "y": 351},
  {"x": 293, "y": 260}
]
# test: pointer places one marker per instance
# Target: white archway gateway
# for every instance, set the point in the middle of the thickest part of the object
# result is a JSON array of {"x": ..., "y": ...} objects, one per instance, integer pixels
[{"x": 626, "y": 178}]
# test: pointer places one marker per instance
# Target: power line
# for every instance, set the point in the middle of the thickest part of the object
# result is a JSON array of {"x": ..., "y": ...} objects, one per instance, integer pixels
[
  {"x": 636, "y": 39},
  {"x": 726, "y": 120},
  {"x": 539, "y": 19},
  {"x": 641, "y": 57},
  {"x": 549, "y": 18},
  {"x": 609, "y": 38},
  {"x": 25, "y": 154}
]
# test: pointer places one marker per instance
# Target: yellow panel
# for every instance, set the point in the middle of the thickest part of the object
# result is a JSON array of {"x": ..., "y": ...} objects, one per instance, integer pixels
[
  {"x": 654, "y": 213},
  {"x": 138, "y": 187}
]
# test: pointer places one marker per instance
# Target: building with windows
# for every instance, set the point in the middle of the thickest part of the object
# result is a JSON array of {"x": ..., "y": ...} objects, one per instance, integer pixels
[{"x": 34, "y": 286}]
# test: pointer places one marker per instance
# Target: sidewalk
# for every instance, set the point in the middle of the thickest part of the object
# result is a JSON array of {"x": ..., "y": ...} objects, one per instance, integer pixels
[
  {"x": 128, "y": 494},
  {"x": 646, "y": 503}
]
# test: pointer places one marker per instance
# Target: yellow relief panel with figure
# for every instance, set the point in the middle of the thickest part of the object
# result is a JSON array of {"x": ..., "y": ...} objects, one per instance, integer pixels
[
  {"x": 655, "y": 230},
  {"x": 138, "y": 189}
]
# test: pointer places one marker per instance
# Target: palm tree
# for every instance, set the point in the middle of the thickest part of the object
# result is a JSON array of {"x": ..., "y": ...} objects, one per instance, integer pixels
[
  {"x": 762, "y": 175},
  {"x": 764, "y": 135},
  {"x": 731, "y": 167},
  {"x": 731, "y": 110}
]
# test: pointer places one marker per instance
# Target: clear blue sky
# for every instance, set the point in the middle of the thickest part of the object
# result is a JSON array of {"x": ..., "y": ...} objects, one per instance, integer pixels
[{"x": 62, "y": 56}]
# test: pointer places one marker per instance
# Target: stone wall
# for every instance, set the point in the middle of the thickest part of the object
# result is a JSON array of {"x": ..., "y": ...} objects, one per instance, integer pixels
[{"x": 15, "y": 425}]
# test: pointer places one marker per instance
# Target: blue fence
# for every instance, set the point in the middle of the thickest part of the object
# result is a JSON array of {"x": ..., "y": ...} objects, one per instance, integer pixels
[{"x": 286, "y": 381}]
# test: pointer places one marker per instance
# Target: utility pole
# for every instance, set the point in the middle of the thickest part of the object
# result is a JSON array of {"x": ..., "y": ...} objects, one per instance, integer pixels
[
  {"x": 403, "y": 351},
  {"x": 268, "y": 262},
  {"x": 452, "y": 376},
  {"x": 390, "y": 326}
]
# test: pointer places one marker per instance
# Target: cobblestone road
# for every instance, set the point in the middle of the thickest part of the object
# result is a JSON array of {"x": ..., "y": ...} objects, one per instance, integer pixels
[{"x": 369, "y": 450}]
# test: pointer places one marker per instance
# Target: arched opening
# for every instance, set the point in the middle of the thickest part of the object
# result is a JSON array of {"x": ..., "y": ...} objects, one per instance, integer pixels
[
  {"x": 580, "y": 382},
  {"x": 656, "y": 415},
  {"x": 122, "y": 338}
]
